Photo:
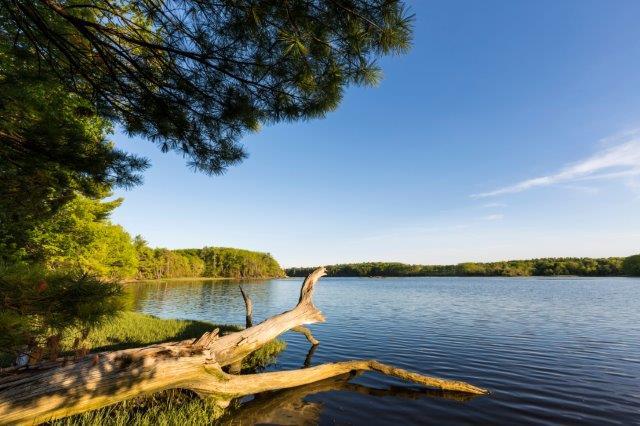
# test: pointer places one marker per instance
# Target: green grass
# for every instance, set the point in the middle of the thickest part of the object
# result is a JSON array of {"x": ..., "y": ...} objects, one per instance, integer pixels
[
  {"x": 264, "y": 356},
  {"x": 172, "y": 407},
  {"x": 132, "y": 329}
]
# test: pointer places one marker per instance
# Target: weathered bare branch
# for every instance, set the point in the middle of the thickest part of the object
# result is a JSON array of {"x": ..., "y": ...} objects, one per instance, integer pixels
[
  {"x": 249, "y": 308},
  {"x": 307, "y": 333}
]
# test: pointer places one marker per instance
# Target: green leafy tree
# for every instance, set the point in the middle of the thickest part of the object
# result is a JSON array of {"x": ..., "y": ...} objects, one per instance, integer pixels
[
  {"x": 146, "y": 260},
  {"x": 163, "y": 263},
  {"x": 237, "y": 263},
  {"x": 81, "y": 236},
  {"x": 52, "y": 147},
  {"x": 470, "y": 269},
  {"x": 631, "y": 266}
]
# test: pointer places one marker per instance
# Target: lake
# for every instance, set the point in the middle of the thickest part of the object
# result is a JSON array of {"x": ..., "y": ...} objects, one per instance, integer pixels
[{"x": 551, "y": 350}]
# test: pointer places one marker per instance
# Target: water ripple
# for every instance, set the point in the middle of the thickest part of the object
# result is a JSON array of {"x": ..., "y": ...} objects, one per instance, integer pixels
[{"x": 561, "y": 351}]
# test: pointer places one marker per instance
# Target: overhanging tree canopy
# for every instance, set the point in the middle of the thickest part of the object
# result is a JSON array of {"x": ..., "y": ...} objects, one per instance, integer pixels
[
  {"x": 53, "y": 146},
  {"x": 194, "y": 75}
]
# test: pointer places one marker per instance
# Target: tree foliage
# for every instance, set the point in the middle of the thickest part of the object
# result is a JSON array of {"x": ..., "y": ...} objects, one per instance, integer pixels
[
  {"x": 237, "y": 263},
  {"x": 195, "y": 75},
  {"x": 631, "y": 265},
  {"x": 80, "y": 236},
  {"x": 52, "y": 147},
  {"x": 38, "y": 306},
  {"x": 163, "y": 263},
  {"x": 535, "y": 267},
  {"x": 212, "y": 262}
]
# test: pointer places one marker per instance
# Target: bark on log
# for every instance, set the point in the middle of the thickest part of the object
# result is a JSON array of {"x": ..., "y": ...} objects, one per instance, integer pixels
[
  {"x": 307, "y": 333},
  {"x": 97, "y": 380},
  {"x": 248, "y": 304}
]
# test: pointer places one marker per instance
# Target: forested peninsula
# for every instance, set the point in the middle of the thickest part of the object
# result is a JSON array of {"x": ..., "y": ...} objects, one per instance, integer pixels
[
  {"x": 582, "y": 266},
  {"x": 209, "y": 262},
  {"x": 80, "y": 236}
]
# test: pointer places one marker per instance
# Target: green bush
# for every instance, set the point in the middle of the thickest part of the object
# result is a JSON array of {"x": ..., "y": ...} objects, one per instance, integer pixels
[{"x": 40, "y": 308}]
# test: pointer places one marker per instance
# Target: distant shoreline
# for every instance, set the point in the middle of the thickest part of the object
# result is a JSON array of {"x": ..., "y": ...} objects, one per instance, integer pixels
[
  {"x": 157, "y": 280},
  {"x": 542, "y": 267}
]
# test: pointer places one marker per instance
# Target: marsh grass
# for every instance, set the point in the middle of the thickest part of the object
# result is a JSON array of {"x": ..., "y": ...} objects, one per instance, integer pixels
[
  {"x": 133, "y": 329},
  {"x": 171, "y": 407}
]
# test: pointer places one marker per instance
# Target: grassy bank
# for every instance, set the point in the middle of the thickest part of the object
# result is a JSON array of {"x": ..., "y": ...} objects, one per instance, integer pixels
[{"x": 132, "y": 329}]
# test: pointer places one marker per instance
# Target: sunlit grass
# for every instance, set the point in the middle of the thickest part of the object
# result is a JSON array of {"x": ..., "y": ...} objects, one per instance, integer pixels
[
  {"x": 133, "y": 329},
  {"x": 172, "y": 407}
]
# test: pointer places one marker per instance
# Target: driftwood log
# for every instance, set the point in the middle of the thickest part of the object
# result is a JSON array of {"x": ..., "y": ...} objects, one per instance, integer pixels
[
  {"x": 248, "y": 304},
  {"x": 98, "y": 380}
]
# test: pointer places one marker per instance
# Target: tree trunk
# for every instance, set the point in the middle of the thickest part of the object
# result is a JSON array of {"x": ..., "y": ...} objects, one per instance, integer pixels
[
  {"x": 97, "y": 380},
  {"x": 248, "y": 304}
]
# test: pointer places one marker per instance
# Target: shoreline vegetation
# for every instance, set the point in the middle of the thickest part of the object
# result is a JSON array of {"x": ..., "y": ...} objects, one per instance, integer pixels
[
  {"x": 132, "y": 330},
  {"x": 205, "y": 263},
  {"x": 81, "y": 237},
  {"x": 192, "y": 78},
  {"x": 213, "y": 366},
  {"x": 545, "y": 267}
]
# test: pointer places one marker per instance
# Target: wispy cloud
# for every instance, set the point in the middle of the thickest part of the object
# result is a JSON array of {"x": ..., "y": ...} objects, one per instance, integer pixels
[
  {"x": 621, "y": 161},
  {"x": 589, "y": 190},
  {"x": 498, "y": 216}
]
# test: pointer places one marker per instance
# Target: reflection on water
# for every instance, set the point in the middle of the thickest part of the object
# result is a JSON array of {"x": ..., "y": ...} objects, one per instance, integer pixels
[
  {"x": 292, "y": 407},
  {"x": 553, "y": 351}
]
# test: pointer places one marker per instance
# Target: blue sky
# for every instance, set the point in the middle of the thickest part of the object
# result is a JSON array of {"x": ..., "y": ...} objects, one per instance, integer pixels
[{"x": 509, "y": 131}]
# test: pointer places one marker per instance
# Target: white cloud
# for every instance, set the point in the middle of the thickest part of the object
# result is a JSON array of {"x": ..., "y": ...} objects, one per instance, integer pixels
[
  {"x": 620, "y": 161},
  {"x": 498, "y": 216},
  {"x": 493, "y": 205}
]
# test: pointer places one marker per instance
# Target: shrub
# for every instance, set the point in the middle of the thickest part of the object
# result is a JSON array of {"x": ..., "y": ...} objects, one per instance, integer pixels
[{"x": 39, "y": 308}]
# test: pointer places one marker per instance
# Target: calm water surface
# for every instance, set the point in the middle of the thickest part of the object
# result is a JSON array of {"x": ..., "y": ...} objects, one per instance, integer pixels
[{"x": 552, "y": 351}]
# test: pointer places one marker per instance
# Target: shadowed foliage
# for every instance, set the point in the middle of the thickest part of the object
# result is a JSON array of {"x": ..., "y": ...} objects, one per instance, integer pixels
[
  {"x": 53, "y": 146},
  {"x": 631, "y": 265},
  {"x": 39, "y": 308}
]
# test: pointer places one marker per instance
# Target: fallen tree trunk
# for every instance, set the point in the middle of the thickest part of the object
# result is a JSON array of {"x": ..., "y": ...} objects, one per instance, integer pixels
[
  {"x": 102, "y": 379},
  {"x": 248, "y": 304}
]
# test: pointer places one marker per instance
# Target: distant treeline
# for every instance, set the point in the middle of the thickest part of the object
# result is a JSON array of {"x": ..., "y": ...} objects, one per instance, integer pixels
[
  {"x": 612, "y": 266},
  {"x": 214, "y": 262}
]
